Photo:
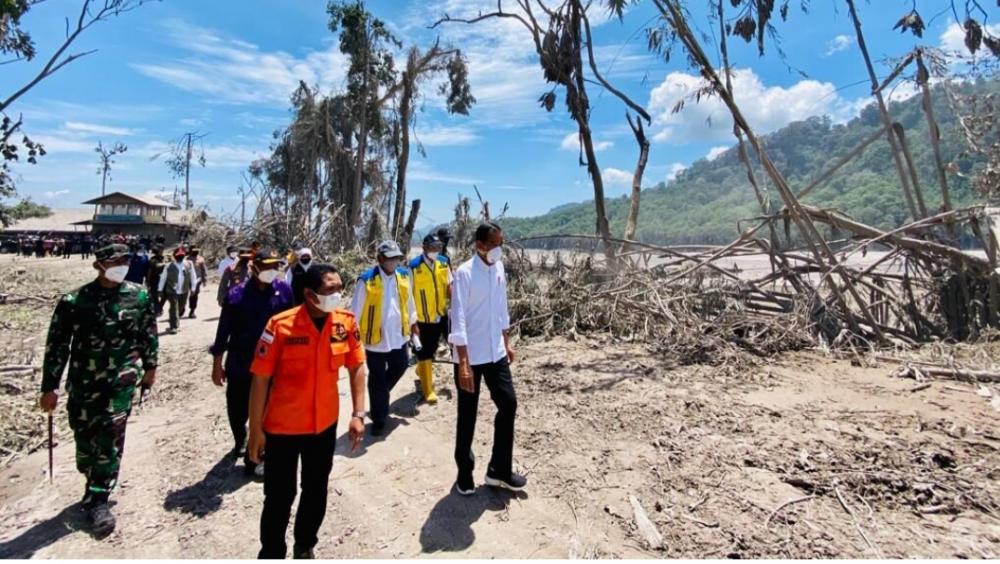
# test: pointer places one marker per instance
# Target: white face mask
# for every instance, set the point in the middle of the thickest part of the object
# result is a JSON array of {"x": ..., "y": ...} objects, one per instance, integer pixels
[
  {"x": 432, "y": 256},
  {"x": 267, "y": 276},
  {"x": 116, "y": 274},
  {"x": 390, "y": 266},
  {"x": 494, "y": 255},
  {"x": 328, "y": 303},
  {"x": 233, "y": 255}
]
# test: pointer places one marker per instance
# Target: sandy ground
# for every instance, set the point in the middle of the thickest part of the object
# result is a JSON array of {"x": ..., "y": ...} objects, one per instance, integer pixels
[{"x": 711, "y": 454}]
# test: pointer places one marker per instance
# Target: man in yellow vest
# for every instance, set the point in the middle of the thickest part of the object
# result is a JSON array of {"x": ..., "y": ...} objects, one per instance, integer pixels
[
  {"x": 383, "y": 305},
  {"x": 430, "y": 276}
]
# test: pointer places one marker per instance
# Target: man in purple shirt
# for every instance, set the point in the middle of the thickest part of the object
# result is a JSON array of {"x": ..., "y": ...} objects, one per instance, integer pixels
[{"x": 245, "y": 312}]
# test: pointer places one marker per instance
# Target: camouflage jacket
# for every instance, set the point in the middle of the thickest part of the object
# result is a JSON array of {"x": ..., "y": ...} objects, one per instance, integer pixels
[{"x": 104, "y": 335}]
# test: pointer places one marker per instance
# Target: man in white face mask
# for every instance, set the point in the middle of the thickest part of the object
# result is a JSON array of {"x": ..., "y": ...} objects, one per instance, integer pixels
[
  {"x": 384, "y": 307},
  {"x": 480, "y": 323},
  {"x": 296, "y": 274},
  {"x": 246, "y": 309},
  {"x": 105, "y": 332},
  {"x": 295, "y": 406},
  {"x": 175, "y": 284}
]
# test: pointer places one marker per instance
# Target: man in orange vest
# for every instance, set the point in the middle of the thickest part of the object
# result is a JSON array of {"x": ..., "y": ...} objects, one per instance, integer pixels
[{"x": 294, "y": 408}]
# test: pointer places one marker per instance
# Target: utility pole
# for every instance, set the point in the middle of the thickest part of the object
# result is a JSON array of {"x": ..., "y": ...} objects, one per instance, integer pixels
[{"x": 187, "y": 175}]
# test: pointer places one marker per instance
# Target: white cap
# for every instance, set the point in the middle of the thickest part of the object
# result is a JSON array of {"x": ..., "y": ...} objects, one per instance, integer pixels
[{"x": 304, "y": 251}]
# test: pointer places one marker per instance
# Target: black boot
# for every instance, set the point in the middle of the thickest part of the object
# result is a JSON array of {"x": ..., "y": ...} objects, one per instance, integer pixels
[
  {"x": 100, "y": 520},
  {"x": 303, "y": 553}
]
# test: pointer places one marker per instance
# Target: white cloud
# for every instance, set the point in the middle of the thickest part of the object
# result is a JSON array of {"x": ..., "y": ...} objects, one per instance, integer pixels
[
  {"x": 445, "y": 136},
  {"x": 235, "y": 71},
  {"x": 716, "y": 152},
  {"x": 953, "y": 38},
  {"x": 420, "y": 170},
  {"x": 53, "y": 195},
  {"x": 616, "y": 177},
  {"x": 675, "y": 169},
  {"x": 838, "y": 44},
  {"x": 767, "y": 108},
  {"x": 98, "y": 129},
  {"x": 56, "y": 143},
  {"x": 571, "y": 142}
]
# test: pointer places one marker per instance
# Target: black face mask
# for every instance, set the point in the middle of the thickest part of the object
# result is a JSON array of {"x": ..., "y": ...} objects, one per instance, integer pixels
[{"x": 305, "y": 261}]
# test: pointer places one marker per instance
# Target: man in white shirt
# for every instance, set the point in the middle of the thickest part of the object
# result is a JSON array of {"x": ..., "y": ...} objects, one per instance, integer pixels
[
  {"x": 175, "y": 284},
  {"x": 480, "y": 323},
  {"x": 230, "y": 258},
  {"x": 387, "y": 318}
]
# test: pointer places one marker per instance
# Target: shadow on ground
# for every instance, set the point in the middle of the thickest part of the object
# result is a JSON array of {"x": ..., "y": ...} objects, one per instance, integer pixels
[
  {"x": 205, "y": 496},
  {"x": 43, "y": 534},
  {"x": 449, "y": 525}
]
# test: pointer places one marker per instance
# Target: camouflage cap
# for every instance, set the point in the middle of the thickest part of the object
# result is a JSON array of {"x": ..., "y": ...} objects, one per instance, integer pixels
[{"x": 111, "y": 252}]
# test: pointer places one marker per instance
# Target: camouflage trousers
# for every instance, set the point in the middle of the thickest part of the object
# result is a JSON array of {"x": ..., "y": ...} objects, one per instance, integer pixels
[{"x": 98, "y": 423}]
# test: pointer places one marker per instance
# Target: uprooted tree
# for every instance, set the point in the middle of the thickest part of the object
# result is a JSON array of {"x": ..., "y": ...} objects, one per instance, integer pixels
[
  {"x": 336, "y": 177},
  {"x": 564, "y": 44}
]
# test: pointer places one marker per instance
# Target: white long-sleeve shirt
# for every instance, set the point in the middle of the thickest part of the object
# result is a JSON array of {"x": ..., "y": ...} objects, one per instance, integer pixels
[
  {"x": 224, "y": 264},
  {"x": 478, "y": 312},
  {"x": 392, "y": 320}
]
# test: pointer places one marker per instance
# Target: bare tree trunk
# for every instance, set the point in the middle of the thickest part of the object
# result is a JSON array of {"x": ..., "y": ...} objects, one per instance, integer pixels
[
  {"x": 405, "y": 113},
  {"x": 411, "y": 224},
  {"x": 935, "y": 134},
  {"x": 577, "y": 93},
  {"x": 632, "y": 221},
  {"x": 883, "y": 112}
]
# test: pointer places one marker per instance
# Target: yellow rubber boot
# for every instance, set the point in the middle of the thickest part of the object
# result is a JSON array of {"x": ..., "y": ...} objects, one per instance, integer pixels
[{"x": 425, "y": 370}]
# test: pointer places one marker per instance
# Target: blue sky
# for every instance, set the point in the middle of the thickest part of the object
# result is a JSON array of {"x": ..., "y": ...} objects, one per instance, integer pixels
[{"x": 227, "y": 68}]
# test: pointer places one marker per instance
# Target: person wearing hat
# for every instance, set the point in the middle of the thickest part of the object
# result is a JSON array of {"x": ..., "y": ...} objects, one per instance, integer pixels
[
  {"x": 201, "y": 276},
  {"x": 176, "y": 283},
  {"x": 232, "y": 254},
  {"x": 295, "y": 407},
  {"x": 105, "y": 331},
  {"x": 303, "y": 258},
  {"x": 234, "y": 273},
  {"x": 245, "y": 313},
  {"x": 383, "y": 305},
  {"x": 138, "y": 266},
  {"x": 445, "y": 237},
  {"x": 430, "y": 278},
  {"x": 156, "y": 264}
]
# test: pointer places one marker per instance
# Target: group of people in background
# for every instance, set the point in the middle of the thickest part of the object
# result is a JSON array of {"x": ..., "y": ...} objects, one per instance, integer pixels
[{"x": 282, "y": 337}]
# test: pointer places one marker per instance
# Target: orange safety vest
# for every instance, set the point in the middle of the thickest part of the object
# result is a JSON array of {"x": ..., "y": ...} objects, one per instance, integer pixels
[{"x": 303, "y": 365}]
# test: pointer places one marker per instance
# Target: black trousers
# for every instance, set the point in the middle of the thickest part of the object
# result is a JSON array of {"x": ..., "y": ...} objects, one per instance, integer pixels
[
  {"x": 430, "y": 336},
  {"x": 238, "y": 404},
  {"x": 281, "y": 459},
  {"x": 384, "y": 371},
  {"x": 177, "y": 302},
  {"x": 501, "y": 387},
  {"x": 193, "y": 300}
]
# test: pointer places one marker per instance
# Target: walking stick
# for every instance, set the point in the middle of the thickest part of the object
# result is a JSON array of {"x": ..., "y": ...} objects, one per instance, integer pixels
[
  {"x": 51, "y": 473},
  {"x": 142, "y": 393}
]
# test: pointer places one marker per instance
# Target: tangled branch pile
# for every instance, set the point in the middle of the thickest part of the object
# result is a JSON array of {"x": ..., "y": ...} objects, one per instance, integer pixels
[{"x": 702, "y": 321}]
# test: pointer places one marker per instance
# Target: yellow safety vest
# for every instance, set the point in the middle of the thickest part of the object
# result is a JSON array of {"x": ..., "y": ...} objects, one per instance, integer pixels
[
  {"x": 430, "y": 289},
  {"x": 371, "y": 315}
]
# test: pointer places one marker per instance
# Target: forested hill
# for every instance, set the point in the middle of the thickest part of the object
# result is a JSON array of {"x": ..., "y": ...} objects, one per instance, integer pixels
[{"x": 705, "y": 202}]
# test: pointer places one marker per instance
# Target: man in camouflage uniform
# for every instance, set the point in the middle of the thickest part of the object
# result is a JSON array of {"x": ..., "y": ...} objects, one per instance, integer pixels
[{"x": 106, "y": 332}]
